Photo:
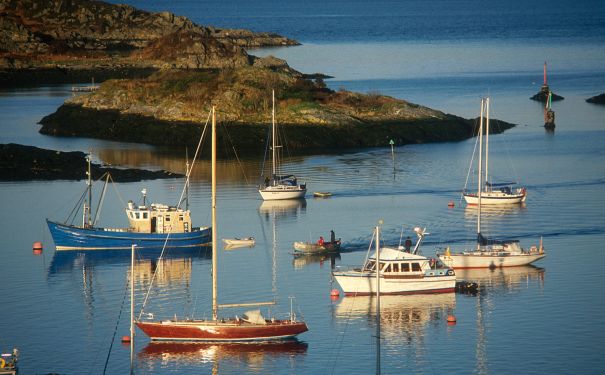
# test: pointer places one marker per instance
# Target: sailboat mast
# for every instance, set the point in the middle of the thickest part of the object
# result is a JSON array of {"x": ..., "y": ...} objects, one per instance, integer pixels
[
  {"x": 377, "y": 300},
  {"x": 87, "y": 221},
  {"x": 486, "y": 142},
  {"x": 214, "y": 247},
  {"x": 132, "y": 309},
  {"x": 273, "y": 134},
  {"x": 480, "y": 174}
]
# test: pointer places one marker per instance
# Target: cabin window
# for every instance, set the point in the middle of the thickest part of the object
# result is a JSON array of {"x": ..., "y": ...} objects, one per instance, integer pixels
[
  {"x": 167, "y": 218},
  {"x": 395, "y": 267},
  {"x": 388, "y": 269},
  {"x": 144, "y": 215},
  {"x": 137, "y": 215},
  {"x": 370, "y": 265},
  {"x": 405, "y": 267},
  {"x": 131, "y": 215},
  {"x": 181, "y": 217},
  {"x": 415, "y": 266},
  {"x": 382, "y": 266}
]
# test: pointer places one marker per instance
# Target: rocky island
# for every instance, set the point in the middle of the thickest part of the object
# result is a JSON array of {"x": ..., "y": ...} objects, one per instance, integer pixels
[
  {"x": 168, "y": 72},
  {"x": 598, "y": 99}
]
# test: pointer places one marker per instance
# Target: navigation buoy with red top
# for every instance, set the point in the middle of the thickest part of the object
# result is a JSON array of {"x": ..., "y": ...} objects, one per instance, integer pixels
[
  {"x": 450, "y": 204},
  {"x": 125, "y": 338},
  {"x": 334, "y": 293}
]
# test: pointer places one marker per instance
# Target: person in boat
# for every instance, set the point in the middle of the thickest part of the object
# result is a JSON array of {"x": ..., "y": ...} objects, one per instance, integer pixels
[
  {"x": 267, "y": 180},
  {"x": 320, "y": 242},
  {"x": 332, "y": 236},
  {"x": 408, "y": 244}
]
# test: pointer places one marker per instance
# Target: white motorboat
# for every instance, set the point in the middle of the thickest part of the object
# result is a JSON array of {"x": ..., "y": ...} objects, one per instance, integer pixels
[
  {"x": 399, "y": 272},
  {"x": 246, "y": 241}
]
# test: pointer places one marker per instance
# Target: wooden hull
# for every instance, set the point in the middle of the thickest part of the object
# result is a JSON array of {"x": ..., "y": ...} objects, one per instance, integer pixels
[
  {"x": 486, "y": 260},
  {"x": 71, "y": 237},
  {"x": 314, "y": 248},
  {"x": 217, "y": 331}
]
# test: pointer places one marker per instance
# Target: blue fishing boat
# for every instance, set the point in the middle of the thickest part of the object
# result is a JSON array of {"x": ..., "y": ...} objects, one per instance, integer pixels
[{"x": 150, "y": 226}]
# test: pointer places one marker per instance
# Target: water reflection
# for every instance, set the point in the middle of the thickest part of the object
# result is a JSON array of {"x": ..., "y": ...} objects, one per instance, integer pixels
[
  {"x": 283, "y": 208},
  {"x": 175, "y": 264},
  {"x": 244, "y": 355},
  {"x": 503, "y": 279},
  {"x": 302, "y": 260},
  {"x": 402, "y": 318},
  {"x": 470, "y": 211}
]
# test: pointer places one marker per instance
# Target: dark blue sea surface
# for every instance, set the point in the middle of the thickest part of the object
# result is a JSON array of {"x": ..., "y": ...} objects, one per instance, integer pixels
[{"x": 67, "y": 311}]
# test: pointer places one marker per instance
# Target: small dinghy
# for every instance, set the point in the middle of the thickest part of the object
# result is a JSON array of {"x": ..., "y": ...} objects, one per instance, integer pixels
[
  {"x": 246, "y": 241},
  {"x": 322, "y": 194},
  {"x": 315, "y": 248}
]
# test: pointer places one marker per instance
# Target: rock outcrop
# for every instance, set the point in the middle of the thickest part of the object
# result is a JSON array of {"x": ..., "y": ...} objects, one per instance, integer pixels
[{"x": 598, "y": 99}]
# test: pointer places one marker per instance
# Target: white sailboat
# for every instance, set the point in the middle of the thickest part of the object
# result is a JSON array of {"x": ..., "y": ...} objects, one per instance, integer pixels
[
  {"x": 251, "y": 327},
  {"x": 279, "y": 186},
  {"x": 492, "y": 193},
  {"x": 490, "y": 253}
]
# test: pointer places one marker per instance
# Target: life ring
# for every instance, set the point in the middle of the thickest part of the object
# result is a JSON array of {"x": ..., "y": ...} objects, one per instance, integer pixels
[
  {"x": 450, "y": 272},
  {"x": 2, "y": 363}
]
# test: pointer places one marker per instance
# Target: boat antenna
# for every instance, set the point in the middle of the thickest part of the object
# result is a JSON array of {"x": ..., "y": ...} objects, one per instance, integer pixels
[{"x": 144, "y": 192}]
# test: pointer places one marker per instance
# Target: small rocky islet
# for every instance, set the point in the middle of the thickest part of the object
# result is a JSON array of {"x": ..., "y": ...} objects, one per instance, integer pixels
[{"x": 161, "y": 74}]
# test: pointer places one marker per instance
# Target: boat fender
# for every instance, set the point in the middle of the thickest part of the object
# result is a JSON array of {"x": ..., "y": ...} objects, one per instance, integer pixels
[{"x": 450, "y": 272}]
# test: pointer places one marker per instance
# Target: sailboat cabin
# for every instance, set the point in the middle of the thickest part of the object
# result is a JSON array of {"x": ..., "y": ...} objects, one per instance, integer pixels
[{"x": 158, "y": 218}]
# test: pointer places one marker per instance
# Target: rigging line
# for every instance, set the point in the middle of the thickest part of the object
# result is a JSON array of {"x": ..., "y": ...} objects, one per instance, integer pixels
[
  {"x": 101, "y": 199},
  {"x": 75, "y": 209},
  {"x": 507, "y": 148},
  {"x": 470, "y": 166},
  {"x": 235, "y": 152},
  {"x": 262, "y": 169},
  {"x": 117, "y": 323},
  {"x": 197, "y": 150}
]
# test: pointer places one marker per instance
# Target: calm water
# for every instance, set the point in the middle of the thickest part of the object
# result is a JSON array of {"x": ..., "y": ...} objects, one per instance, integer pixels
[{"x": 61, "y": 310}]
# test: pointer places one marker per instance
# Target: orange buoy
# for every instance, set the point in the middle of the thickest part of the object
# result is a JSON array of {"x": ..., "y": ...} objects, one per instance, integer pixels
[
  {"x": 125, "y": 338},
  {"x": 37, "y": 247},
  {"x": 334, "y": 293},
  {"x": 451, "y": 320},
  {"x": 450, "y": 204}
]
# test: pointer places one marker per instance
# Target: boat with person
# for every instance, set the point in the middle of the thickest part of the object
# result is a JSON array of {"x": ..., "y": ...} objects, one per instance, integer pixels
[
  {"x": 152, "y": 225},
  {"x": 318, "y": 247},
  {"x": 399, "y": 272},
  {"x": 252, "y": 326},
  {"x": 492, "y": 192},
  {"x": 490, "y": 253},
  {"x": 279, "y": 186}
]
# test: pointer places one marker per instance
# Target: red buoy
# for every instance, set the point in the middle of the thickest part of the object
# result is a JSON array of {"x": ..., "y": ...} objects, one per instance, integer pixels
[
  {"x": 37, "y": 247},
  {"x": 334, "y": 293},
  {"x": 451, "y": 320},
  {"x": 125, "y": 338},
  {"x": 450, "y": 204}
]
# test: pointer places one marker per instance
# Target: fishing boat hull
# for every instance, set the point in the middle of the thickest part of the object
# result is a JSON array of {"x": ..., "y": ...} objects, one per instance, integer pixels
[
  {"x": 70, "y": 237},
  {"x": 495, "y": 197},
  {"x": 279, "y": 192},
  {"x": 357, "y": 283},
  {"x": 315, "y": 248},
  {"x": 217, "y": 331},
  {"x": 489, "y": 260}
]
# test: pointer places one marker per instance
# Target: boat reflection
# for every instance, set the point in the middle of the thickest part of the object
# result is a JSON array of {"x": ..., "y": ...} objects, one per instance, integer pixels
[
  {"x": 175, "y": 264},
  {"x": 487, "y": 211},
  {"x": 402, "y": 318},
  {"x": 251, "y": 354},
  {"x": 302, "y": 260},
  {"x": 503, "y": 279},
  {"x": 282, "y": 208}
]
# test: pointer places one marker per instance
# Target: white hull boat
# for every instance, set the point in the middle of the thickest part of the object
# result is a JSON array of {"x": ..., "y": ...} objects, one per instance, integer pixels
[
  {"x": 279, "y": 186},
  {"x": 399, "y": 273},
  {"x": 248, "y": 241},
  {"x": 497, "y": 197}
]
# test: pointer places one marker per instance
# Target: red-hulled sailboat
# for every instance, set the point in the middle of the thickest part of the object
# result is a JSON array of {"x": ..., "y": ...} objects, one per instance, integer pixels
[{"x": 251, "y": 327}]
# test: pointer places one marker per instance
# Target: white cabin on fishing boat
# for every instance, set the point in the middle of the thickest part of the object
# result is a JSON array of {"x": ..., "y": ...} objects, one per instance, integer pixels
[{"x": 158, "y": 218}]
